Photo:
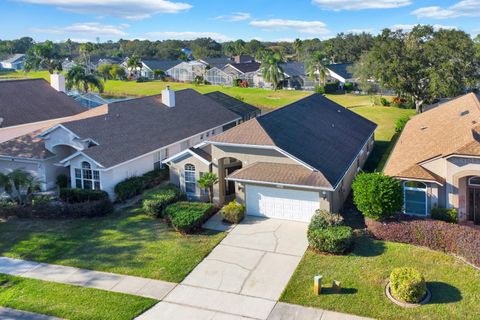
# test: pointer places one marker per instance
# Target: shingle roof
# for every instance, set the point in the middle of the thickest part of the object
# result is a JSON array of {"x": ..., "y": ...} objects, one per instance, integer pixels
[
  {"x": 315, "y": 130},
  {"x": 27, "y": 146},
  {"x": 14, "y": 58},
  {"x": 281, "y": 173},
  {"x": 341, "y": 69},
  {"x": 33, "y": 100},
  {"x": 451, "y": 128},
  {"x": 239, "y": 107},
  {"x": 138, "y": 126},
  {"x": 293, "y": 68},
  {"x": 163, "y": 65},
  {"x": 246, "y": 67},
  {"x": 218, "y": 62}
]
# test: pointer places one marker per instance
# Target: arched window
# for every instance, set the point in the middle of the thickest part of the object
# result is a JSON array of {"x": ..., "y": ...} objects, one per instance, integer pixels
[
  {"x": 474, "y": 181},
  {"x": 190, "y": 180},
  {"x": 86, "y": 178},
  {"x": 415, "y": 193}
]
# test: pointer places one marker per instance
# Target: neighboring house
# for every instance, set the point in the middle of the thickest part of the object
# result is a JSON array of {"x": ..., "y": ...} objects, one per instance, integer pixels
[
  {"x": 93, "y": 64},
  {"x": 245, "y": 71},
  {"x": 15, "y": 62},
  {"x": 437, "y": 157},
  {"x": 219, "y": 62},
  {"x": 244, "y": 110},
  {"x": 339, "y": 72},
  {"x": 149, "y": 67},
  {"x": 283, "y": 164},
  {"x": 120, "y": 140},
  {"x": 188, "y": 71},
  {"x": 295, "y": 76}
]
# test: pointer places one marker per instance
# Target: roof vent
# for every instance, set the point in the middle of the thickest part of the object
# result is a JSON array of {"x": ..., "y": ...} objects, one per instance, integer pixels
[
  {"x": 423, "y": 128},
  {"x": 339, "y": 111},
  {"x": 168, "y": 97},
  {"x": 464, "y": 113}
]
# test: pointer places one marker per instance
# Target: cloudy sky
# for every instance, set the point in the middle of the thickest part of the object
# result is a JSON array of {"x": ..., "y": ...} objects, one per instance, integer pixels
[{"x": 85, "y": 20}]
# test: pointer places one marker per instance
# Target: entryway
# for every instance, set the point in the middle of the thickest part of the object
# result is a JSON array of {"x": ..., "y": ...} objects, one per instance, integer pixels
[{"x": 474, "y": 199}]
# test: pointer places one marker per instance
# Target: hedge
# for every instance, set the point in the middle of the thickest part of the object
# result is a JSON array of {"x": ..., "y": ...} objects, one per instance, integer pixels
[
  {"x": 330, "y": 239},
  {"x": 407, "y": 285},
  {"x": 463, "y": 241},
  {"x": 154, "y": 202},
  {"x": 233, "y": 212},
  {"x": 186, "y": 217},
  {"x": 71, "y": 195},
  {"x": 134, "y": 186},
  {"x": 447, "y": 215}
]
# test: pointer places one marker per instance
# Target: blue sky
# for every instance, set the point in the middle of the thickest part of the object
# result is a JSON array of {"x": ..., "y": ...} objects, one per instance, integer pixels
[{"x": 223, "y": 20}]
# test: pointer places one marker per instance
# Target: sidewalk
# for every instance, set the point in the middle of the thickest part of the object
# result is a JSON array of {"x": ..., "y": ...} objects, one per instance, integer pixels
[
  {"x": 12, "y": 314},
  {"x": 143, "y": 287}
]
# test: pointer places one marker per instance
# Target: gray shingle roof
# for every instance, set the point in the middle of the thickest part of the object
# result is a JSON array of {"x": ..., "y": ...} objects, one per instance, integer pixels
[
  {"x": 218, "y": 62},
  {"x": 341, "y": 69},
  {"x": 163, "y": 65},
  {"x": 246, "y": 67},
  {"x": 138, "y": 126},
  {"x": 33, "y": 100},
  {"x": 239, "y": 107},
  {"x": 293, "y": 68},
  {"x": 14, "y": 58}
]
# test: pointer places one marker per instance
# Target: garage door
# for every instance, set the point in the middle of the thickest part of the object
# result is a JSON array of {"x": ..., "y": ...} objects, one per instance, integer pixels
[{"x": 279, "y": 203}]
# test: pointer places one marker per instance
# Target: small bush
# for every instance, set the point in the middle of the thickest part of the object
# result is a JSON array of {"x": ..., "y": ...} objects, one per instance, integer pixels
[
  {"x": 330, "y": 239},
  {"x": 72, "y": 195},
  {"x": 401, "y": 123},
  {"x": 62, "y": 181},
  {"x": 377, "y": 196},
  {"x": 187, "y": 217},
  {"x": 408, "y": 285},
  {"x": 319, "y": 89},
  {"x": 233, "y": 212},
  {"x": 447, "y": 215},
  {"x": 323, "y": 219},
  {"x": 134, "y": 186},
  {"x": 155, "y": 201},
  {"x": 348, "y": 86},
  {"x": 331, "y": 87},
  {"x": 384, "y": 102}
]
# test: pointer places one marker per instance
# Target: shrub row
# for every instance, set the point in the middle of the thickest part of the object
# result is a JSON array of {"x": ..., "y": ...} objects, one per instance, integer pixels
[
  {"x": 233, "y": 212},
  {"x": 155, "y": 201},
  {"x": 133, "y": 186},
  {"x": 72, "y": 195},
  {"x": 447, "y": 215},
  {"x": 50, "y": 210},
  {"x": 327, "y": 234},
  {"x": 186, "y": 217},
  {"x": 459, "y": 240}
]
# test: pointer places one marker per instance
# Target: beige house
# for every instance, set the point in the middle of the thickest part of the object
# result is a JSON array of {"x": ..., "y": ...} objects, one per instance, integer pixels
[
  {"x": 438, "y": 159},
  {"x": 284, "y": 164}
]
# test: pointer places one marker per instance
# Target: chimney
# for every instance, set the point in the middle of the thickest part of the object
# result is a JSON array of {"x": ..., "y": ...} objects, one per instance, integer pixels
[
  {"x": 57, "y": 81},
  {"x": 168, "y": 97}
]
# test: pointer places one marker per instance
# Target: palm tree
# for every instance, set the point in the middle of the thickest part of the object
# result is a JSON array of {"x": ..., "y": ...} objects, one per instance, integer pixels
[
  {"x": 297, "y": 46},
  {"x": 77, "y": 77},
  {"x": 271, "y": 70},
  {"x": 315, "y": 67},
  {"x": 207, "y": 181},
  {"x": 43, "y": 56},
  {"x": 133, "y": 63},
  {"x": 19, "y": 185}
]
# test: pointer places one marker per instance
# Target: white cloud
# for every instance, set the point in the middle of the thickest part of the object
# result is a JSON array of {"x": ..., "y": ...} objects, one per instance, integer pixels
[
  {"x": 130, "y": 9},
  {"x": 408, "y": 27},
  {"x": 465, "y": 8},
  {"x": 187, "y": 35},
  {"x": 87, "y": 28},
  {"x": 235, "y": 17},
  {"x": 310, "y": 27},
  {"x": 360, "y": 4}
]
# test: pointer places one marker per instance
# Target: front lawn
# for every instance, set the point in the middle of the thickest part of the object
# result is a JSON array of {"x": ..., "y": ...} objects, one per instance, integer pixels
[
  {"x": 69, "y": 302},
  {"x": 128, "y": 242},
  {"x": 454, "y": 284}
]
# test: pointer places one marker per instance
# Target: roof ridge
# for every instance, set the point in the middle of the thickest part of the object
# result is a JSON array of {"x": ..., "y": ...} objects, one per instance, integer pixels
[{"x": 23, "y": 79}]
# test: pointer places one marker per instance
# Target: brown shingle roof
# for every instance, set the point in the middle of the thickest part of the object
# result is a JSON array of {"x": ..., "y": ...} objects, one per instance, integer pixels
[
  {"x": 451, "y": 128},
  {"x": 33, "y": 100},
  {"x": 27, "y": 146},
  {"x": 291, "y": 174},
  {"x": 250, "y": 132}
]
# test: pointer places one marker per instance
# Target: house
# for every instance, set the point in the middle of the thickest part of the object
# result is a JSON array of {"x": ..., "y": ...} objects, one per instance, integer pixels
[
  {"x": 149, "y": 67},
  {"x": 283, "y": 164},
  {"x": 296, "y": 77},
  {"x": 437, "y": 158},
  {"x": 244, "y": 110},
  {"x": 339, "y": 72},
  {"x": 108, "y": 144},
  {"x": 15, "y": 62},
  {"x": 247, "y": 71},
  {"x": 188, "y": 71}
]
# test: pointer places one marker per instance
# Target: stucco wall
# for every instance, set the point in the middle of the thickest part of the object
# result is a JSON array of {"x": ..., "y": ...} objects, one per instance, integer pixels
[{"x": 177, "y": 176}]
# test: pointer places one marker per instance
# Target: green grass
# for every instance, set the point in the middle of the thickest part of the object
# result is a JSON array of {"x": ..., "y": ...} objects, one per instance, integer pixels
[
  {"x": 454, "y": 285},
  {"x": 128, "y": 242},
  {"x": 69, "y": 302}
]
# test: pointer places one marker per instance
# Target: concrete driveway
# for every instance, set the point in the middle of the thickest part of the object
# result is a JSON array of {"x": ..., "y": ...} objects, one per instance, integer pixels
[{"x": 243, "y": 277}]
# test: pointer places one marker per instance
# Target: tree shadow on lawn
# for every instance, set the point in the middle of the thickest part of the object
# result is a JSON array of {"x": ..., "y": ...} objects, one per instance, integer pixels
[
  {"x": 443, "y": 293},
  {"x": 365, "y": 246}
]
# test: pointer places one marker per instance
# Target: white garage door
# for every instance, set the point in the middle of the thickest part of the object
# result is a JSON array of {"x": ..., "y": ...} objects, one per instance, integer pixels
[{"x": 279, "y": 203}]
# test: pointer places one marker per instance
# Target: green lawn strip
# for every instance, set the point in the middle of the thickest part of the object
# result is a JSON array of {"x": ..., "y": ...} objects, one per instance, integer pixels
[
  {"x": 69, "y": 302},
  {"x": 127, "y": 242},
  {"x": 454, "y": 284}
]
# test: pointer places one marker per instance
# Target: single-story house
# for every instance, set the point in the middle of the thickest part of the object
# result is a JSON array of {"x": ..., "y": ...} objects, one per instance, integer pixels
[
  {"x": 119, "y": 140},
  {"x": 283, "y": 164},
  {"x": 296, "y": 77},
  {"x": 149, "y": 67},
  {"x": 437, "y": 158},
  {"x": 339, "y": 72},
  {"x": 15, "y": 62},
  {"x": 245, "y": 71}
]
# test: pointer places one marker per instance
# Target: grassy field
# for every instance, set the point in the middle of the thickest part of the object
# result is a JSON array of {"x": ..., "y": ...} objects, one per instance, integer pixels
[
  {"x": 69, "y": 302},
  {"x": 128, "y": 242},
  {"x": 454, "y": 285}
]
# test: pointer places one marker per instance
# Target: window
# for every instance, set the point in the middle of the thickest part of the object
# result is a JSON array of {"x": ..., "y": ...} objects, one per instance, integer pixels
[
  {"x": 415, "y": 198},
  {"x": 474, "y": 181},
  {"x": 190, "y": 181},
  {"x": 86, "y": 178}
]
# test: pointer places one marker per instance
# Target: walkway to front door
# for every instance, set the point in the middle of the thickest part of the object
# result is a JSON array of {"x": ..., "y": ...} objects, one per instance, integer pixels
[{"x": 243, "y": 277}]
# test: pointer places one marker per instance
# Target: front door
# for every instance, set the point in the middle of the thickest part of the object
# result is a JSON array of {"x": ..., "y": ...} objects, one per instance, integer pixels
[{"x": 474, "y": 204}]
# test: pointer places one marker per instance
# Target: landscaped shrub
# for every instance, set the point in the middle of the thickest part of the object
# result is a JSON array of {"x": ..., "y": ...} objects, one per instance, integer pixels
[
  {"x": 401, "y": 123},
  {"x": 443, "y": 214},
  {"x": 87, "y": 209},
  {"x": 330, "y": 239},
  {"x": 62, "y": 181},
  {"x": 348, "y": 86},
  {"x": 319, "y": 89},
  {"x": 459, "y": 240},
  {"x": 187, "y": 217},
  {"x": 377, "y": 196},
  {"x": 71, "y": 195},
  {"x": 233, "y": 212},
  {"x": 384, "y": 102},
  {"x": 323, "y": 219},
  {"x": 134, "y": 186},
  {"x": 331, "y": 87},
  {"x": 154, "y": 202},
  {"x": 407, "y": 285}
]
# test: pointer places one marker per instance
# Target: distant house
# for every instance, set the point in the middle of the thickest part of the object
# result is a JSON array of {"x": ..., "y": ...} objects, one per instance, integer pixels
[
  {"x": 218, "y": 62},
  {"x": 95, "y": 62},
  {"x": 247, "y": 71},
  {"x": 295, "y": 76},
  {"x": 187, "y": 71},
  {"x": 339, "y": 72},
  {"x": 15, "y": 62},
  {"x": 149, "y": 67}
]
